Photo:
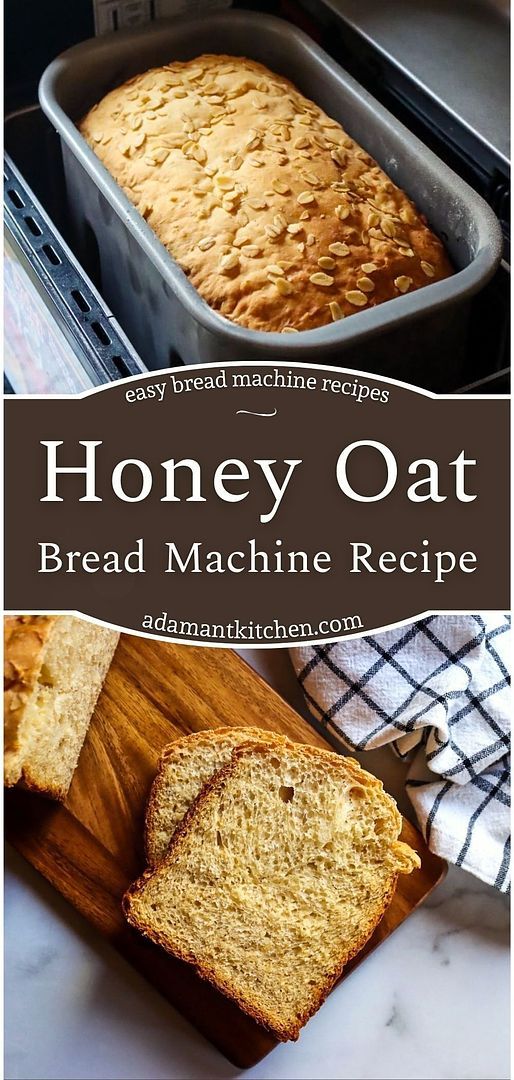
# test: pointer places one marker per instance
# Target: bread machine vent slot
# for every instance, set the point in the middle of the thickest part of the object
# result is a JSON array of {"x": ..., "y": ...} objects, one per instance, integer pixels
[
  {"x": 51, "y": 255},
  {"x": 80, "y": 300},
  {"x": 101, "y": 334},
  {"x": 15, "y": 198},
  {"x": 121, "y": 366},
  {"x": 33, "y": 226}
]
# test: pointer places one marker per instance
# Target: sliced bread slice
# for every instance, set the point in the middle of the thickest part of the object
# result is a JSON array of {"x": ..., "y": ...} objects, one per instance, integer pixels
[
  {"x": 184, "y": 767},
  {"x": 54, "y": 669},
  {"x": 276, "y": 877}
]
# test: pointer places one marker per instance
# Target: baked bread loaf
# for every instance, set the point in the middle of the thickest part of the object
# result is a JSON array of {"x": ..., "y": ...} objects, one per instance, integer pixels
[
  {"x": 54, "y": 669},
  {"x": 279, "y": 219},
  {"x": 184, "y": 767},
  {"x": 277, "y": 876}
]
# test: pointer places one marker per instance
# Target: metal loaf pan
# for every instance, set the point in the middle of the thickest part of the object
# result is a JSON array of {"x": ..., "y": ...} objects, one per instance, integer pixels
[{"x": 418, "y": 337}]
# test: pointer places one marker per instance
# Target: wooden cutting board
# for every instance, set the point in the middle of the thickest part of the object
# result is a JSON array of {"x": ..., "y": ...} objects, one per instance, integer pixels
[{"x": 91, "y": 847}]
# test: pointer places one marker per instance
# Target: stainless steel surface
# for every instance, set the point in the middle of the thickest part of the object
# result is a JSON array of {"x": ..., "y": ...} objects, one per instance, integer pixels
[
  {"x": 455, "y": 51},
  {"x": 59, "y": 334},
  {"x": 159, "y": 308}
]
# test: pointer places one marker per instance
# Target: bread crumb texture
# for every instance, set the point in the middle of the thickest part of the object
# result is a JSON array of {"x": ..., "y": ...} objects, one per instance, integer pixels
[
  {"x": 54, "y": 668},
  {"x": 277, "y": 876},
  {"x": 184, "y": 767},
  {"x": 278, "y": 218}
]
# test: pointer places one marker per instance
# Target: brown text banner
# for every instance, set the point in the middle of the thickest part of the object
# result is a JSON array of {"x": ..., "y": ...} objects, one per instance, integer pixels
[{"x": 256, "y": 503}]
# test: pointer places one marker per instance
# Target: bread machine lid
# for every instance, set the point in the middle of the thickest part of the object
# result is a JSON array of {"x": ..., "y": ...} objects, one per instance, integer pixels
[{"x": 455, "y": 54}]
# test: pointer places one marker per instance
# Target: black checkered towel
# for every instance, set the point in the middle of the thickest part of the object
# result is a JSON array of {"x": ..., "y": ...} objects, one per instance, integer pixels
[{"x": 438, "y": 690}]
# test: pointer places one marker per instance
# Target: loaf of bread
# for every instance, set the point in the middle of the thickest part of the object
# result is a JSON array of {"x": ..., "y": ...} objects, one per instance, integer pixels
[
  {"x": 54, "y": 669},
  {"x": 279, "y": 219},
  {"x": 184, "y": 767},
  {"x": 276, "y": 877}
]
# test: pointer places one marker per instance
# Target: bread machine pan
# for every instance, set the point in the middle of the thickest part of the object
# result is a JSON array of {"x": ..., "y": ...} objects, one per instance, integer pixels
[{"x": 419, "y": 337}]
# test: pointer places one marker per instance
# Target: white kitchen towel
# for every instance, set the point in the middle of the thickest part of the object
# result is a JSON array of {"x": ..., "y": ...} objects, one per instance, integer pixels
[{"x": 439, "y": 691}]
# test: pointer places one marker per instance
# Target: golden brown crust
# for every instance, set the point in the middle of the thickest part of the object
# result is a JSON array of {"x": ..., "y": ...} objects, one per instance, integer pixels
[
  {"x": 282, "y": 1032},
  {"x": 25, "y": 638},
  {"x": 47, "y": 791},
  {"x": 279, "y": 219},
  {"x": 216, "y": 784},
  {"x": 197, "y": 738},
  {"x": 30, "y": 644}
]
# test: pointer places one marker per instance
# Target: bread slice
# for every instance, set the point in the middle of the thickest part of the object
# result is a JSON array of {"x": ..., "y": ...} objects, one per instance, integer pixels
[
  {"x": 184, "y": 767},
  {"x": 54, "y": 669},
  {"x": 276, "y": 877}
]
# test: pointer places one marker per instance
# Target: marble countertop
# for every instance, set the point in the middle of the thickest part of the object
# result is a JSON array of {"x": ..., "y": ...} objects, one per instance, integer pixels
[{"x": 431, "y": 1004}]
